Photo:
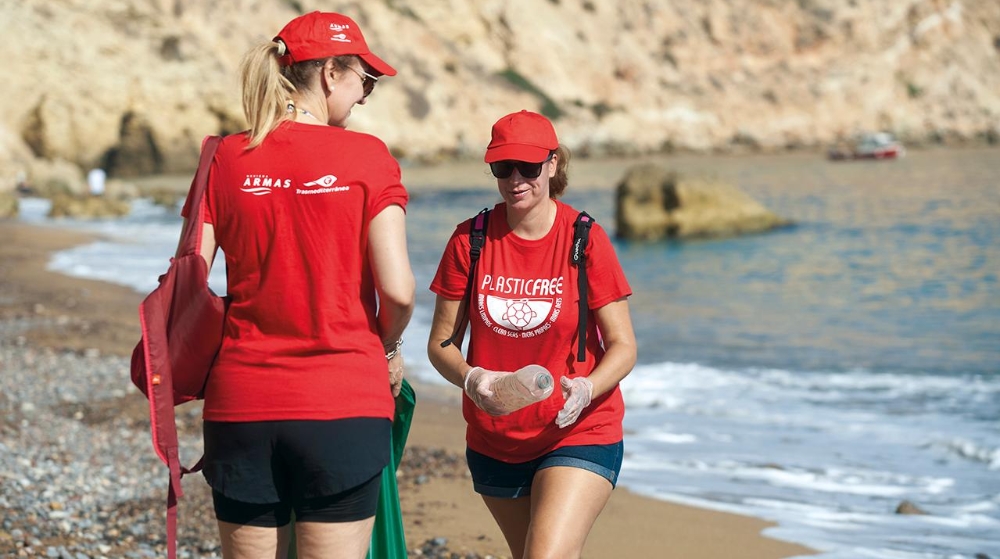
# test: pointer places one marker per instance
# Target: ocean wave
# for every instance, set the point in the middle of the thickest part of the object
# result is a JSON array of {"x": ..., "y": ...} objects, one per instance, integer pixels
[
  {"x": 973, "y": 451},
  {"x": 669, "y": 385}
]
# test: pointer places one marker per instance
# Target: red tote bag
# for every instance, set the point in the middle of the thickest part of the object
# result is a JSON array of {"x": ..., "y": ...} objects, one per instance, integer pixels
[{"x": 182, "y": 323}]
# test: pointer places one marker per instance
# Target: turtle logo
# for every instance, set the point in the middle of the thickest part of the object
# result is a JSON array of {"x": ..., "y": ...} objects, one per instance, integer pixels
[{"x": 519, "y": 315}]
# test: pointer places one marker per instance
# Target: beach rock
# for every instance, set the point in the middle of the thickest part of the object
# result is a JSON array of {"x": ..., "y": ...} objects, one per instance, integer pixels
[
  {"x": 88, "y": 207},
  {"x": 907, "y": 507},
  {"x": 8, "y": 205},
  {"x": 48, "y": 178},
  {"x": 165, "y": 196},
  {"x": 121, "y": 189},
  {"x": 15, "y": 159},
  {"x": 654, "y": 203}
]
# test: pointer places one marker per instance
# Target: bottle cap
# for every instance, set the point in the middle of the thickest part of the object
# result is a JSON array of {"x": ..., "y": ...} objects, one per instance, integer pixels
[
  {"x": 544, "y": 381},
  {"x": 543, "y": 378}
]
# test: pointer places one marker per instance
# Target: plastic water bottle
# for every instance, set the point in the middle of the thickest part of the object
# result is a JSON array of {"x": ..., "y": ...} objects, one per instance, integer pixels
[{"x": 527, "y": 385}]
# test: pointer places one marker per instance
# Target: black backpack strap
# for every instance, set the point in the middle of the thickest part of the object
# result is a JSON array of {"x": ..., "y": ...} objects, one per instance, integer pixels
[
  {"x": 581, "y": 234},
  {"x": 477, "y": 238}
]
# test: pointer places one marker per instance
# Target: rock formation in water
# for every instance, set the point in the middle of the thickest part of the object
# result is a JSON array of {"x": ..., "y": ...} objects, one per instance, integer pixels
[
  {"x": 134, "y": 85},
  {"x": 9, "y": 206},
  {"x": 88, "y": 207},
  {"x": 653, "y": 203}
]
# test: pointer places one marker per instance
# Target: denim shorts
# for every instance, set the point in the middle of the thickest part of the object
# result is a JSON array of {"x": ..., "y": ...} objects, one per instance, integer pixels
[{"x": 494, "y": 478}]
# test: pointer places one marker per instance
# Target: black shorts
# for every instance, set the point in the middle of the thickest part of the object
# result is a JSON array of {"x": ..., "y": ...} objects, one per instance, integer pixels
[{"x": 326, "y": 471}]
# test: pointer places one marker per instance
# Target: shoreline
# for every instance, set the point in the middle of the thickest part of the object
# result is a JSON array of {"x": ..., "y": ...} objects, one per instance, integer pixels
[
  {"x": 63, "y": 314},
  {"x": 586, "y": 173}
]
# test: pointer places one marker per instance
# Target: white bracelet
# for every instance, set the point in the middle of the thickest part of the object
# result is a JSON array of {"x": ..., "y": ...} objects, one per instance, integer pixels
[{"x": 394, "y": 351}]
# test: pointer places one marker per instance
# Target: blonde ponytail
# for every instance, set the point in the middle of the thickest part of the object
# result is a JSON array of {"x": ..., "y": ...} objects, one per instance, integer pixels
[{"x": 266, "y": 91}]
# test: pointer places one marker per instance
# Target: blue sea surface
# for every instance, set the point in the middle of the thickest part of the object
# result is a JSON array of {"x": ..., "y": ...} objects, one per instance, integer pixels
[{"x": 816, "y": 376}]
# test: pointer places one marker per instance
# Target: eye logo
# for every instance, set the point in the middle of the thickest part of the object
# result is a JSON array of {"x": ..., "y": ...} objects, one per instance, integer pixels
[
  {"x": 324, "y": 181},
  {"x": 322, "y": 185}
]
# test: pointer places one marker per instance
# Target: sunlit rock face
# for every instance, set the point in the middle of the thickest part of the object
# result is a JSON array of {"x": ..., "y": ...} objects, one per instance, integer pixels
[{"x": 134, "y": 85}]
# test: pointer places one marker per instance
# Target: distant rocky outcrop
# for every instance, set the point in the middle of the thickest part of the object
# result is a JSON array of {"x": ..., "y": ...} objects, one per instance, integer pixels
[
  {"x": 654, "y": 203},
  {"x": 9, "y": 206},
  {"x": 134, "y": 85},
  {"x": 88, "y": 207}
]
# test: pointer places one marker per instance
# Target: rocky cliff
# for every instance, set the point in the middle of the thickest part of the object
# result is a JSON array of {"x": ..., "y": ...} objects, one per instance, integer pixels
[{"x": 133, "y": 85}]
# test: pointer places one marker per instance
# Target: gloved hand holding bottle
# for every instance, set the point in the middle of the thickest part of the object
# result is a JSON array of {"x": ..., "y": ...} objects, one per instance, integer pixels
[
  {"x": 578, "y": 392},
  {"x": 500, "y": 393},
  {"x": 477, "y": 386}
]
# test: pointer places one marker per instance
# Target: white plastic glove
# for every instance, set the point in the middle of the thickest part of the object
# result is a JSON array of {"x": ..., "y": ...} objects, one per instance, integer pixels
[
  {"x": 477, "y": 386},
  {"x": 578, "y": 391}
]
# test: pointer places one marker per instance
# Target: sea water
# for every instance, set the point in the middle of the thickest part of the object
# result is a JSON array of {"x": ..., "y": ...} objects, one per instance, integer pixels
[{"x": 815, "y": 376}]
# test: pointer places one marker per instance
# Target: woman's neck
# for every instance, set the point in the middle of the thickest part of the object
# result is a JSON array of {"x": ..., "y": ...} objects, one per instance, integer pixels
[
  {"x": 308, "y": 110},
  {"x": 535, "y": 223}
]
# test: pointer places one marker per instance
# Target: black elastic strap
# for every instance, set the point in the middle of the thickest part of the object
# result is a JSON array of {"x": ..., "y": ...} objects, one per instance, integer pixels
[
  {"x": 581, "y": 234},
  {"x": 477, "y": 238}
]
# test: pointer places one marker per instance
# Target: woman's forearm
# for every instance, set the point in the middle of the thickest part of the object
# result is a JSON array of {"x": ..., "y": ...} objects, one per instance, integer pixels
[
  {"x": 620, "y": 353},
  {"x": 448, "y": 360}
]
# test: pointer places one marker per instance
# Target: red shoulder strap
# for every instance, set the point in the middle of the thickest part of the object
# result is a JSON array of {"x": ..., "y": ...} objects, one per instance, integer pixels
[
  {"x": 161, "y": 398},
  {"x": 191, "y": 235}
]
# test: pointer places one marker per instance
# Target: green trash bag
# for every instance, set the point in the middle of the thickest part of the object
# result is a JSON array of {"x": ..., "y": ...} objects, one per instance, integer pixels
[{"x": 388, "y": 540}]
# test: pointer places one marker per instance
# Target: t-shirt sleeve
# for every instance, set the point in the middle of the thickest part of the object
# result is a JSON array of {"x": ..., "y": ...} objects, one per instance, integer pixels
[
  {"x": 453, "y": 270},
  {"x": 606, "y": 280},
  {"x": 385, "y": 181}
]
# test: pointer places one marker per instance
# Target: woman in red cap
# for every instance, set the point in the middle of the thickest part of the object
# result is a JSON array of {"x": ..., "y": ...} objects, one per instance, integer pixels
[
  {"x": 547, "y": 470},
  {"x": 310, "y": 216}
]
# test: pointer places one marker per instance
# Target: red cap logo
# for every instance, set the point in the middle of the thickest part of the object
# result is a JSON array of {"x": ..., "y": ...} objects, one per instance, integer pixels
[{"x": 325, "y": 34}]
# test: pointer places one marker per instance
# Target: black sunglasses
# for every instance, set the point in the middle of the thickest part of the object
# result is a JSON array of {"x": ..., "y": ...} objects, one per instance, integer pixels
[
  {"x": 368, "y": 81},
  {"x": 503, "y": 169}
]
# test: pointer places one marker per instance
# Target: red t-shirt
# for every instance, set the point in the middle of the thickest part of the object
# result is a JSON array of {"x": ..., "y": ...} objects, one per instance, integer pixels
[
  {"x": 292, "y": 217},
  {"x": 524, "y": 310}
]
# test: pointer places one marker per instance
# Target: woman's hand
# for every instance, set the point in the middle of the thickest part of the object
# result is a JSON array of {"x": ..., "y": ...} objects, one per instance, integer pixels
[
  {"x": 578, "y": 392},
  {"x": 477, "y": 386},
  {"x": 396, "y": 374}
]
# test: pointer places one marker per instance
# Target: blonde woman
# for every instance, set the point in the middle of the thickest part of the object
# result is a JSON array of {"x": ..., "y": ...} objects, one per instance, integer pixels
[{"x": 310, "y": 217}]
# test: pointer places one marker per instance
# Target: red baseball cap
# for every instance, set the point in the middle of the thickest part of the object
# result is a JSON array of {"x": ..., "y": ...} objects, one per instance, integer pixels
[
  {"x": 325, "y": 34},
  {"x": 522, "y": 136}
]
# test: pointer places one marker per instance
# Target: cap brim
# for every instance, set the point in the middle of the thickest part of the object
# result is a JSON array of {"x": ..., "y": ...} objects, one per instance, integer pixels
[
  {"x": 517, "y": 152},
  {"x": 378, "y": 64}
]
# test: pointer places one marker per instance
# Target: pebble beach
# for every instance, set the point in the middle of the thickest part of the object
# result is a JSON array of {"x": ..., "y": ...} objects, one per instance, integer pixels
[{"x": 79, "y": 477}]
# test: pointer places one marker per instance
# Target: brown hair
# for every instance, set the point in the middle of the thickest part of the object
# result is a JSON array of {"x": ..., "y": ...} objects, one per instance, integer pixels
[
  {"x": 268, "y": 86},
  {"x": 558, "y": 183}
]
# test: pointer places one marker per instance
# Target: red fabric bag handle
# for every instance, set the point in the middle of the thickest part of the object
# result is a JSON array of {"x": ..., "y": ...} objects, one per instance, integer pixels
[
  {"x": 165, "y": 436},
  {"x": 191, "y": 235}
]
